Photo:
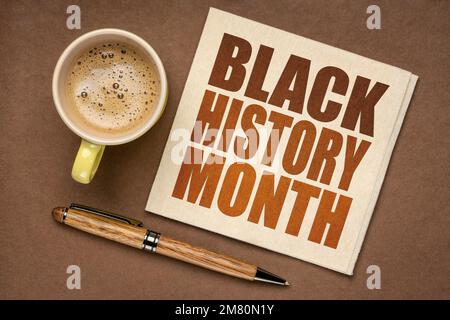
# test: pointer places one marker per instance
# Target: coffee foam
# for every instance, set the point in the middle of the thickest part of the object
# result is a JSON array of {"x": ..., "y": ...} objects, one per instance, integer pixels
[{"x": 112, "y": 88}]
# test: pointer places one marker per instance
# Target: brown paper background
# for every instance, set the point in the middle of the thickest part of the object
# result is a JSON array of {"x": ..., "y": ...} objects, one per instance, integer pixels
[{"x": 408, "y": 236}]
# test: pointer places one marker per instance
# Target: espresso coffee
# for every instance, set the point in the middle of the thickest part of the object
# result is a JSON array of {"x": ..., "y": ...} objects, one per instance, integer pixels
[{"x": 112, "y": 88}]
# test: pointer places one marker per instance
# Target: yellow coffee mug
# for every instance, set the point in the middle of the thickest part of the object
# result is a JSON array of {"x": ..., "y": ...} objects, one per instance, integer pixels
[{"x": 93, "y": 143}]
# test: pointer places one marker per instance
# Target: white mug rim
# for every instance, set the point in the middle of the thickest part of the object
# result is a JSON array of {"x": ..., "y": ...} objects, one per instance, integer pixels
[{"x": 159, "y": 108}]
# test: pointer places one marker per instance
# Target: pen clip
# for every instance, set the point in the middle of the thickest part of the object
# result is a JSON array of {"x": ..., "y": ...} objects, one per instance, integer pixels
[{"x": 106, "y": 214}]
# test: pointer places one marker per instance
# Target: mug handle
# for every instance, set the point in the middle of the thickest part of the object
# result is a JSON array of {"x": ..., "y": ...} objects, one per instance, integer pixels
[{"x": 87, "y": 161}]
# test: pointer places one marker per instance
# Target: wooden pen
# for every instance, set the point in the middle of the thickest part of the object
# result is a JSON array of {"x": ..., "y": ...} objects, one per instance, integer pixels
[{"x": 132, "y": 233}]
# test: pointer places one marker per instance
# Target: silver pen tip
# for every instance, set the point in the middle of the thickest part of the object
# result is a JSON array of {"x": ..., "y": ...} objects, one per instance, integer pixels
[{"x": 266, "y": 276}]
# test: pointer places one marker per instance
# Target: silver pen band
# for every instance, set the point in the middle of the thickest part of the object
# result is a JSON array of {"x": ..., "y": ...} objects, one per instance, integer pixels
[
  {"x": 64, "y": 216},
  {"x": 151, "y": 241}
]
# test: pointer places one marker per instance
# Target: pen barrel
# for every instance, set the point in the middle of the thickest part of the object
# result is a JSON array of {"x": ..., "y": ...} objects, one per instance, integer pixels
[
  {"x": 106, "y": 228},
  {"x": 205, "y": 258}
]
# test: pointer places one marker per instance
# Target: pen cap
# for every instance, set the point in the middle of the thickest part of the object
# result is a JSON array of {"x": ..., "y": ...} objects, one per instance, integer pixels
[{"x": 103, "y": 224}]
